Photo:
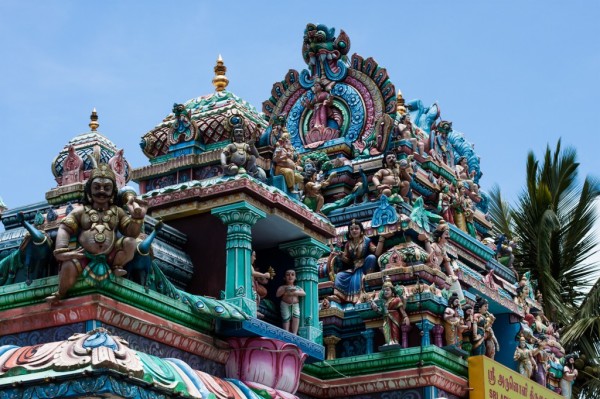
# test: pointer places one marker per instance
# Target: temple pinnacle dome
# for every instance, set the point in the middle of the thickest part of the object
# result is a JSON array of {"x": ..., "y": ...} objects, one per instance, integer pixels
[
  {"x": 72, "y": 166},
  {"x": 94, "y": 120},
  {"x": 220, "y": 81}
]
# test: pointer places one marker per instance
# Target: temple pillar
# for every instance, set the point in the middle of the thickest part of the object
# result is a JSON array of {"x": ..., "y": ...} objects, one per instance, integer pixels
[
  {"x": 405, "y": 330},
  {"x": 239, "y": 219},
  {"x": 368, "y": 334},
  {"x": 306, "y": 252},
  {"x": 330, "y": 343},
  {"x": 437, "y": 335},
  {"x": 425, "y": 326}
]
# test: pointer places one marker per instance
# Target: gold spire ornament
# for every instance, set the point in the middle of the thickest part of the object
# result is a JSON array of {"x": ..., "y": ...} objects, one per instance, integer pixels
[
  {"x": 220, "y": 81},
  {"x": 94, "y": 120},
  {"x": 400, "y": 104}
]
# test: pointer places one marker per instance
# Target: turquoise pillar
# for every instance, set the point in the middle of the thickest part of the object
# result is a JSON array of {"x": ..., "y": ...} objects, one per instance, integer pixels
[
  {"x": 306, "y": 252},
  {"x": 239, "y": 219},
  {"x": 425, "y": 326}
]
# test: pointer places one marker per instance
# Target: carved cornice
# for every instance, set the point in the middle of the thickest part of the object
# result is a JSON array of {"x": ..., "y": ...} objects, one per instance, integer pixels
[
  {"x": 381, "y": 382},
  {"x": 198, "y": 197}
]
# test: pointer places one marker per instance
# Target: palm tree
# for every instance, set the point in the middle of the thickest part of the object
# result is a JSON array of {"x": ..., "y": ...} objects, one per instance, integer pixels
[
  {"x": 553, "y": 224},
  {"x": 550, "y": 223}
]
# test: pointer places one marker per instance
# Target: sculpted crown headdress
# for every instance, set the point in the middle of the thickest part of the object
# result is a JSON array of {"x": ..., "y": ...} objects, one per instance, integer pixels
[
  {"x": 387, "y": 282},
  {"x": 101, "y": 170}
]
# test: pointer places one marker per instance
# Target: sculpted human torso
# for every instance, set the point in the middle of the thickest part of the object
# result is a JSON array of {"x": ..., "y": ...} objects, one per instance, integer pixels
[{"x": 97, "y": 233}]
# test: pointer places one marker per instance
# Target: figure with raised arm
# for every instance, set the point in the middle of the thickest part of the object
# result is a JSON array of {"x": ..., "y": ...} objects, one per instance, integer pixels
[{"x": 96, "y": 224}]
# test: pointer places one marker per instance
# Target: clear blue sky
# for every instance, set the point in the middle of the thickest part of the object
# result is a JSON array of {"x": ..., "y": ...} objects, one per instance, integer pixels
[{"x": 512, "y": 75}]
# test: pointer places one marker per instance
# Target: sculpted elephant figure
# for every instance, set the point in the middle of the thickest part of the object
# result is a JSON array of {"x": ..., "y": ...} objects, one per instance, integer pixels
[{"x": 139, "y": 267}]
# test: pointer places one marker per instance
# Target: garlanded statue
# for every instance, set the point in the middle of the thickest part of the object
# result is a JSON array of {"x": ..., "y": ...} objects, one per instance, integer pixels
[
  {"x": 184, "y": 128},
  {"x": 357, "y": 259},
  {"x": 453, "y": 322},
  {"x": 73, "y": 167},
  {"x": 285, "y": 159},
  {"x": 393, "y": 309},
  {"x": 290, "y": 304},
  {"x": 313, "y": 198},
  {"x": 96, "y": 224},
  {"x": 524, "y": 356},
  {"x": 240, "y": 157},
  {"x": 393, "y": 180},
  {"x": 568, "y": 377}
]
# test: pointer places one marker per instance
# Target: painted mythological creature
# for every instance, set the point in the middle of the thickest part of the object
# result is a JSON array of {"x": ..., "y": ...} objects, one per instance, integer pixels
[
  {"x": 321, "y": 51},
  {"x": 95, "y": 224},
  {"x": 393, "y": 310},
  {"x": 240, "y": 157},
  {"x": 290, "y": 304},
  {"x": 184, "y": 128}
]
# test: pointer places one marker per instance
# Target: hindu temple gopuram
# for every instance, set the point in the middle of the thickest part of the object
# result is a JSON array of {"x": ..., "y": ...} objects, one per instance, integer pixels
[{"x": 335, "y": 244}]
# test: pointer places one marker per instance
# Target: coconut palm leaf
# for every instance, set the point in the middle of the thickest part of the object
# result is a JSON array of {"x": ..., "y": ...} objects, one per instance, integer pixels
[{"x": 500, "y": 212}]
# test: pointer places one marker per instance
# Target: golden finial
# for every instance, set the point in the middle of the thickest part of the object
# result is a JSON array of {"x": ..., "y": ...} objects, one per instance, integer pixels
[
  {"x": 94, "y": 120},
  {"x": 220, "y": 81},
  {"x": 400, "y": 105}
]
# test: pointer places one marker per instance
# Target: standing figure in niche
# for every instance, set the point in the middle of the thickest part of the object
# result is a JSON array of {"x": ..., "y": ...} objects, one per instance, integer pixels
[
  {"x": 446, "y": 200},
  {"x": 568, "y": 377},
  {"x": 470, "y": 330},
  {"x": 524, "y": 356},
  {"x": 393, "y": 310},
  {"x": 484, "y": 341},
  {"x": 285, "y": 158},
  {"x": 438, "y": 256},
  {"x": 96, "y": 225},
  {"x": 357, "y": 259},
  {"x": 453, "y": 322},
  {"x": 290, "y": 304}
]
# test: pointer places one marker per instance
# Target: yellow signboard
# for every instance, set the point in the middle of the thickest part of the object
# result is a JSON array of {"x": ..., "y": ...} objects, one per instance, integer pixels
[{"x": 491, "y": 380}]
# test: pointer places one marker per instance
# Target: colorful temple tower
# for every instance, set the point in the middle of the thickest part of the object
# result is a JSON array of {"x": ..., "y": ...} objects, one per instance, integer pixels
[{"x": 334, "y": 245}]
